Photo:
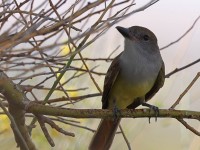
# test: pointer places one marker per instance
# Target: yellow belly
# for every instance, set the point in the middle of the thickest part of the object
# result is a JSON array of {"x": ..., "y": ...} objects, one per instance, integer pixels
[{"x": 123, "y": 93}]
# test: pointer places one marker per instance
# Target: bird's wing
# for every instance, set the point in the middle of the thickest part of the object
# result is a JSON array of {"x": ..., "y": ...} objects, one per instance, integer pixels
[
  {"x": 158, "y": 83},
  {"x": 110, "y": 78}
]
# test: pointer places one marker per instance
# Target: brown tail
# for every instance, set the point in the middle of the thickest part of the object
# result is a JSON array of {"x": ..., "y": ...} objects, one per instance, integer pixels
[{"x": 104, "y": 135}]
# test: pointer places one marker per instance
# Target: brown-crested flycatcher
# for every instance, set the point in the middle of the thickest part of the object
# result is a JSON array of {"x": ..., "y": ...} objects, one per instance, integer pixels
[{"x": 133, "y": 78}]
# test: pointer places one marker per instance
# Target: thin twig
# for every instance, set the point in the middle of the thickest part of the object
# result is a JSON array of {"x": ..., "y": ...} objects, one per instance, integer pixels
[
  {"x": 182, "y": 68},
  {"x": 185, "y": 91},
  {"x": 188, "y": 126},
  {"x": 176, "y": 41},
  {"x": 45, "y": 131},
  {"x": 125, "y": 138}
]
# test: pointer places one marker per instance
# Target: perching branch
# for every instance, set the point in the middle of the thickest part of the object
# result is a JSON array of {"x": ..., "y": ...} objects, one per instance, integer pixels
[{"x": 99, "y": 113}]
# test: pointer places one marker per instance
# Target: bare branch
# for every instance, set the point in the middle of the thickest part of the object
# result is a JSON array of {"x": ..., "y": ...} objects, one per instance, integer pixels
[
  {"x": 188, "y": 31},
  {"x": 182, "y": 68},
  {"x": 125, "y": 138},
  {"x": 99, "y": 113},
  {"x": 188, "y": 126},
  {"x": 185, "y": 91},
  {"x": 14, "y": 126}
]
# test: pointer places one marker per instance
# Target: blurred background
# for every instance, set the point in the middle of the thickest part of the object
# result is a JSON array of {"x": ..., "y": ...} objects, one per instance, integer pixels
[{"x": 169, "y": 20}]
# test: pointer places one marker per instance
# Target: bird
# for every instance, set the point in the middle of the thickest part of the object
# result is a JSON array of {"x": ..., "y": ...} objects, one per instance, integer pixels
[{"x": 132, "y": 79}]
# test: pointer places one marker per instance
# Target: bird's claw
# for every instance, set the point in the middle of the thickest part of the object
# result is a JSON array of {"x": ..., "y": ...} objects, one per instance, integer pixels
[
  {"x": 154, "y": 108},
  {"x": 116, "y": 111}
]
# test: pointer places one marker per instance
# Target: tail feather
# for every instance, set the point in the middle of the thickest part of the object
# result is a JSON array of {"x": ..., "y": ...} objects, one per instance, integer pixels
[{"x": 104, "y": 135}]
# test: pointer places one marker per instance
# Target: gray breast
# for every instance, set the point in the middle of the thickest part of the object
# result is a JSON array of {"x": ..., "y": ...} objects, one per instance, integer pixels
[{"x": 139, "y": 69}]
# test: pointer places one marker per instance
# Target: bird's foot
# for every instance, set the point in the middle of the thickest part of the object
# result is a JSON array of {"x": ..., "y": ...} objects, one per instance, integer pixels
[
  {"x": 116, "y": 113},
  {"x": 154, "y": 108}
]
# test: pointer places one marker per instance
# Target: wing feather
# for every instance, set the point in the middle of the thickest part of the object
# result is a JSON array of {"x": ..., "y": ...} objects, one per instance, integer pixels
[
  {"x": 110, "y": 78},
  {"x": 158, "y": 83}
]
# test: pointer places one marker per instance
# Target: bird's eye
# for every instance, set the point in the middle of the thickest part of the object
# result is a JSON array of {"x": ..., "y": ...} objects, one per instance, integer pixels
[{"x": 145, "y": 37}]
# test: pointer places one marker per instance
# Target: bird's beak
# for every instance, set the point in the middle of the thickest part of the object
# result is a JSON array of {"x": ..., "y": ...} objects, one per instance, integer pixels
[{"x": 123, "y": 31}]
